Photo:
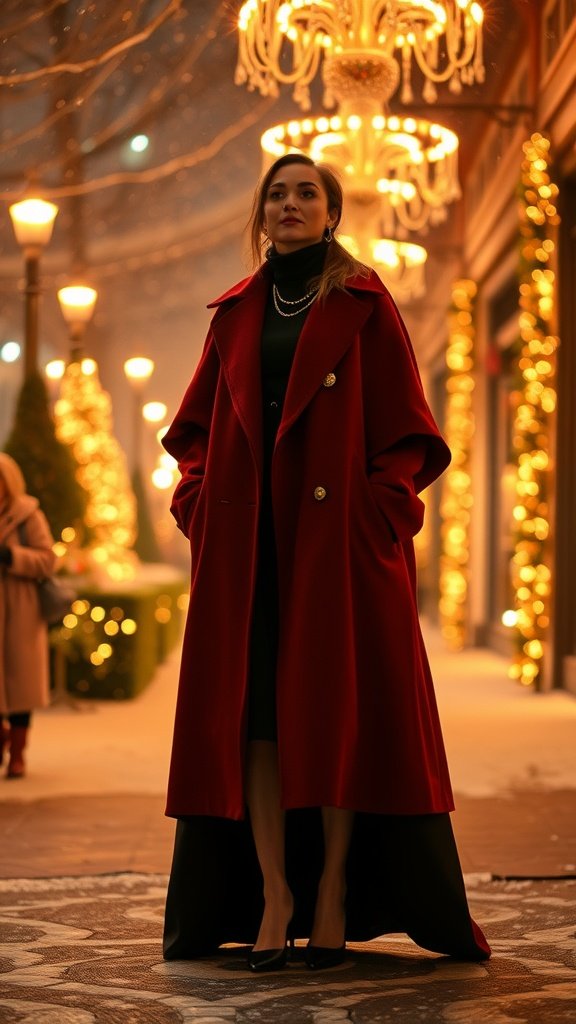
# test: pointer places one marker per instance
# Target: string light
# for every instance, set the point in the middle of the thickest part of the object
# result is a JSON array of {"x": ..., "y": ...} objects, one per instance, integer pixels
[
  {"x": 534, "y": 402},
  {"x": 456, "y": 503},
  {"x": 93, "y": 631},
  {"x": 83, "y": 416}
]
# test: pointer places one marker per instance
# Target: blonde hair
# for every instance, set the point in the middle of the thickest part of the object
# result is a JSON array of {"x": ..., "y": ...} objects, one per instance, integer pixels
[
  {"x": 12, "y": 475},
  {"x": 339, "y": 264}
]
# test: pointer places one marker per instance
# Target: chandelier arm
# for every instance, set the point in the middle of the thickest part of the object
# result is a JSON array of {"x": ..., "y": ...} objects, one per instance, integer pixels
[
  {"x": 262, "y": 52},
  {"x": 440, "y": 76}
]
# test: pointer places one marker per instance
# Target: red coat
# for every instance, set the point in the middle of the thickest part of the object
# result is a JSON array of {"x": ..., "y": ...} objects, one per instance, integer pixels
[{"x": 357, "y": 719}]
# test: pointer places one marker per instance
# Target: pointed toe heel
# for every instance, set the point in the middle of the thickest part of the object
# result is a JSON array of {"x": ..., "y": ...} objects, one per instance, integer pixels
[
  {"x": 268, "y": 960},
  {"x": 320, "y": 958}
]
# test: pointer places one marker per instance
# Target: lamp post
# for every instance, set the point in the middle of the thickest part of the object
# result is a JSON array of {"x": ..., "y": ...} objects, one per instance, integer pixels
[
  {"x": 32, "y": 220},
  {"x": 138, "y": 371},
  {"x": 77, "y": 305}
]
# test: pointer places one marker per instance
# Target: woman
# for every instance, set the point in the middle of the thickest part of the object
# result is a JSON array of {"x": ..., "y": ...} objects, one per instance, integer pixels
[
  {"x": 308, "y": 772},
  {"x": 25, "y": 556}
]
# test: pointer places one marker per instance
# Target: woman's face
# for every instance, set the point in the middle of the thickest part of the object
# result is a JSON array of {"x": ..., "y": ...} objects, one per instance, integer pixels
[{"x": 296, "y": 208}]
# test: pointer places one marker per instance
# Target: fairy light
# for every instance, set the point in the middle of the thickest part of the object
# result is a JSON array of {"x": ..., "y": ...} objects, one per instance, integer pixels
[
  {"x": 456, "y": 503},
  {"x": 83, "y": 416},
  {"x": 535, "y": 403}
]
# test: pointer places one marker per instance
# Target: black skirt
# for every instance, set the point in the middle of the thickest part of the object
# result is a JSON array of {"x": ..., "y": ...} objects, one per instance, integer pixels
[{"x": 403, "y": 875}]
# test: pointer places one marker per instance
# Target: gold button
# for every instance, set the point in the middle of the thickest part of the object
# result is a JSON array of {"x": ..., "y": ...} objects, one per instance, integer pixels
[
  {"x": 329, "y": 380},
  {"x": 320, "y": 493}
]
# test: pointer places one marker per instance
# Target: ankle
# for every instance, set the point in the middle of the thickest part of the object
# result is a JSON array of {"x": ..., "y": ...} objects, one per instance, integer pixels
[{"x": 332, "y": 887}]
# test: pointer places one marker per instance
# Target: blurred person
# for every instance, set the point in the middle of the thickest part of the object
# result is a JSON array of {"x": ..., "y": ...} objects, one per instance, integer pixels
[
  {"x": 24, "y": 674},
  {"x": 308, "y": 772}
]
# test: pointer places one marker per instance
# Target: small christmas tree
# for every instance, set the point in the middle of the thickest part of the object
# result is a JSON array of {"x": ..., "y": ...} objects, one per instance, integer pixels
[
  {"x": 83, "y": 416},
  {"x": 48, "y": 466}
]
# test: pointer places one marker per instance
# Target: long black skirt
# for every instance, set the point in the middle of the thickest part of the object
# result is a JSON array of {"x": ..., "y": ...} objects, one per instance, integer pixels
[{"x": 403, "y": 875}]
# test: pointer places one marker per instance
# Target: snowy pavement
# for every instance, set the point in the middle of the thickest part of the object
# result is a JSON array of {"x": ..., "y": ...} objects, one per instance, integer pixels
[{"x": 499, "y": 737}]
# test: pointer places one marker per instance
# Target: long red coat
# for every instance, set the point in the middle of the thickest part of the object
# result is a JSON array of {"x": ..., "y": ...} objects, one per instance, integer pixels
[{"x": 357, "y": 719}]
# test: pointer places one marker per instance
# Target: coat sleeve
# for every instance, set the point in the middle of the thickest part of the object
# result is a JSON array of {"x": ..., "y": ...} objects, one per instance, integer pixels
[
  {"x": 36, "y": 559},
  {"x": 187, "y": 437},
  {"x": 404, "y": 448}
]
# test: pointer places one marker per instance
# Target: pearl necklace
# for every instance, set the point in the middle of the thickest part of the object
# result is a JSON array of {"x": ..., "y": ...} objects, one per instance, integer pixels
[{"x": 293, "y": 302}]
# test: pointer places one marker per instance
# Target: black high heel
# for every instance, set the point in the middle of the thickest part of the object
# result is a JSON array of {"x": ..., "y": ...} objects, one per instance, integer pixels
[
  {"x": 320, "y": 958},
  {"x": 270, "y": 959}
]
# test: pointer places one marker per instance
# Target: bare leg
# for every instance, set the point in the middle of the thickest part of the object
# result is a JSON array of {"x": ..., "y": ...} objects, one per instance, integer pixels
[
  {"x": 267, "y": 818},
  {"x": 329, "y": 916}
]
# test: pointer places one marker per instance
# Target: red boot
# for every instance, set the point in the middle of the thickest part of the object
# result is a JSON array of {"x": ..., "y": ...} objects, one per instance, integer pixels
[
  {"x": 16, "y": 766},
  {"x": 4, "y": 740}
]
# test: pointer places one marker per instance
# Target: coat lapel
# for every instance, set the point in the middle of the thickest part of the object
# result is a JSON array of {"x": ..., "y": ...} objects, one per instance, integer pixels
[
  {"x": 328, "y": 332},
  {"x": 237, "y": 332}
]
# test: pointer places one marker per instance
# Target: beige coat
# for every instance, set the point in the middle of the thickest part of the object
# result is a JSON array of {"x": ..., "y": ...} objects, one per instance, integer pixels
[{"x": 24, "y": 675}]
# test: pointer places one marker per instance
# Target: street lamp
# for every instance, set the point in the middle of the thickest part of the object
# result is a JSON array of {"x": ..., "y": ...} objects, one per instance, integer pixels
[
  {"x": 77, "y": 303},
  {"x": 138, "y": 371},
  {"x": 32, "y": 220},
  {"x": 154, "y": 412}
]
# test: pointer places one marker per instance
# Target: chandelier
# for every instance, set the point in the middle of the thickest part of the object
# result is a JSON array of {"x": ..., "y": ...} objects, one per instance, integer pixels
[
  {"x": 284, "y": 41},
  {"x": 399, "y": 173},
  {"x": 407, "y": 165}
]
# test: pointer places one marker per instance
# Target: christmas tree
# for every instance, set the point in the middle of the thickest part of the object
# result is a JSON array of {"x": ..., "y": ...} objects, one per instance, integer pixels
[
  {"x": 47, "y": 464},
  {"x": 84, "y": 422}
]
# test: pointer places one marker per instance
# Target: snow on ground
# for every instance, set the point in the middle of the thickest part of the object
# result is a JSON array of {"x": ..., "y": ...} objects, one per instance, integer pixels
[{"x": 499, "y": 737}]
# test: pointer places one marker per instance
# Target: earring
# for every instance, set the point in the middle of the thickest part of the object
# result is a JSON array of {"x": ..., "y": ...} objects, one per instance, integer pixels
[{"x": 327, "y": 236}]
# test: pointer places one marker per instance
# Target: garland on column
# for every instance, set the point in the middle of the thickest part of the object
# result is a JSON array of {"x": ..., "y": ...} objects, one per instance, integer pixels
[
  {"x": 535, "y": 402},
  {"x": 456, "y": 503}
]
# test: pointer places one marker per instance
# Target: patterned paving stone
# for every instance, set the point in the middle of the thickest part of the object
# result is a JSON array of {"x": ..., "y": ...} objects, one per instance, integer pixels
[{"x": 86, "y": 950}]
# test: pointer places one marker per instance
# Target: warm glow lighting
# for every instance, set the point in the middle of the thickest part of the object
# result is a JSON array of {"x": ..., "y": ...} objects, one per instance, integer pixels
[
  {"x": 153, "y": 412},
  {"x": 139, "y": 143},
  {"x": 510, "y": 618},
  {"x": 54, "y": 370},
  {"x": 411, "y": 165},
  {"x": 33, "y": 220},
  {"x": 400, "y": 264},
  {"x": 167, "y": 461},
  {"x": 534, "y": 404},
  {"x": 83, "y": 415},
  {"x": 77, "y": 303},
  {"x": 457, "y": 500},
  {"x": 287, "y": 42},
  {"x": 139, "y": 368},
  {"x": 162, "y": 478},
  {"x": 162, "y": 433},
  {"x": 10, "y": 351}
]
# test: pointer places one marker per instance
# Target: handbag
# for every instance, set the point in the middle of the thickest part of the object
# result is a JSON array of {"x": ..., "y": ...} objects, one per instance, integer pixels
[{"x": 55, "y": 596}]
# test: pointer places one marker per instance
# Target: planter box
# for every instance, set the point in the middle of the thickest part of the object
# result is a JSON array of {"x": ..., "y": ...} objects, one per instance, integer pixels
[{"x": 115, "y": 637}]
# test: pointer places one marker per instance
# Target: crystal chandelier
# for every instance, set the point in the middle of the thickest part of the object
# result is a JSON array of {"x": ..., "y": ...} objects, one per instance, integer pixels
[
  {"x": 284, "y": 41},
  {"x": 407, "y": 165},
  {"x": 399, "y": 173}
]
